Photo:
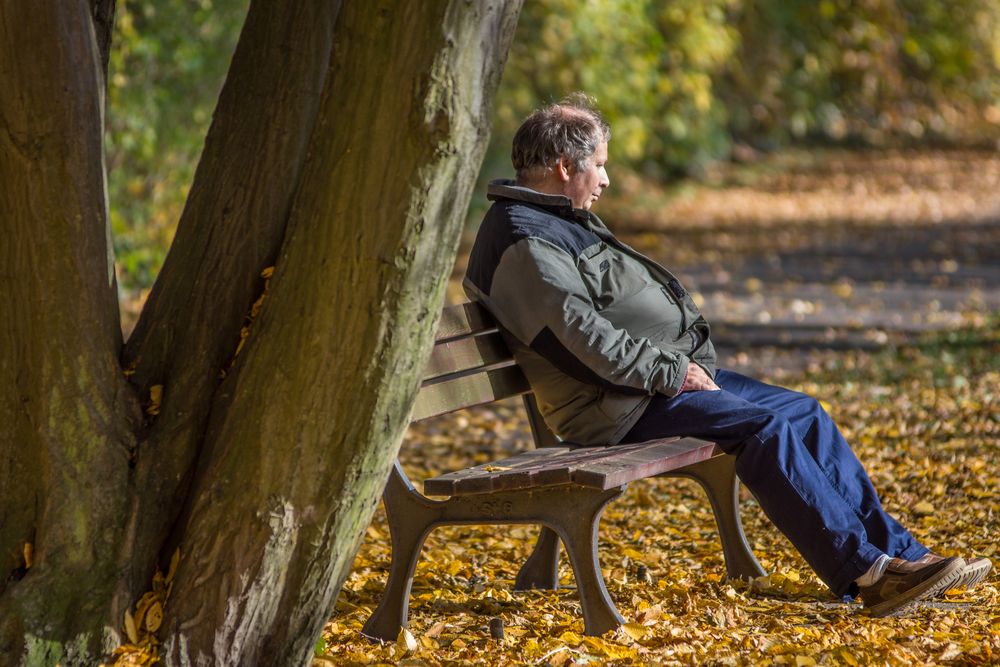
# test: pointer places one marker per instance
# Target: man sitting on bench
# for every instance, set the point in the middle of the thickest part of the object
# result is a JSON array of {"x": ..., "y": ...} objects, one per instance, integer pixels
[{"x": 616, "y": 351}]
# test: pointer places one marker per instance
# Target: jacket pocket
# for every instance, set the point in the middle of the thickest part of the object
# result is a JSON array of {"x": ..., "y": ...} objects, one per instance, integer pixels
[
  {"x": 615, "y": 406},
  {"x": 608, "y": 276}
]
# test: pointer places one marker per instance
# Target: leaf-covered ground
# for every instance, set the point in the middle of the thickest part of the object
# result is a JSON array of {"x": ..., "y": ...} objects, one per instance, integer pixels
[
  {"x": 924, "y": 420},
  {"x": 908, "y": 246}
]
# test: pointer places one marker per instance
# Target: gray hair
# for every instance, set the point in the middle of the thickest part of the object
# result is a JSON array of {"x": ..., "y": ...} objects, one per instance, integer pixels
[{"x": 572, "y": 128}]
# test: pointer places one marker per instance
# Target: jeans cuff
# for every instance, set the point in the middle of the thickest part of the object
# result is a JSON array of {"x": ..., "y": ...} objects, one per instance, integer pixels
[
  {"x": 914, "y": 552},
  {"x": 856, "y": 565}
]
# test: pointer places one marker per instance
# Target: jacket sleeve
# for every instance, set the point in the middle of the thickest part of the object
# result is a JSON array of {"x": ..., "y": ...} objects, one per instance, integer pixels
[{"x": 537, "y": 294}]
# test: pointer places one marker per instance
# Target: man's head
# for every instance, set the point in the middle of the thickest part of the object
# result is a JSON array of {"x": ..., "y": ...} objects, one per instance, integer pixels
[{"x": 562, "y": 149}]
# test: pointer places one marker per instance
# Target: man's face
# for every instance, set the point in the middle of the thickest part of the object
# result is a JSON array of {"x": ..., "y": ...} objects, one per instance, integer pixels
[{"x": 584, "y": 186}]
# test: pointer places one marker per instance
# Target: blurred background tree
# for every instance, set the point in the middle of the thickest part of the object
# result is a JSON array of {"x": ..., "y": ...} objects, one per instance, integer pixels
[
  {"x": 869, "y": 72},
  {"x": 168, "y": 62},
  {"x": 683, "y": 82}
]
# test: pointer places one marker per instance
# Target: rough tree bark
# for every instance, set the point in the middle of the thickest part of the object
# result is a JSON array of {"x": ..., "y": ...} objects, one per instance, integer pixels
[
  {"x": 67, "y": 416},
  {"x": 343, "y": 152},
  {"x": 231, "y": 228}
]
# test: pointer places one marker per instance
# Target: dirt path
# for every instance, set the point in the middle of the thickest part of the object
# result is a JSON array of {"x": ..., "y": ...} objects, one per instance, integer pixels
[{"x": 825, "y": 251}]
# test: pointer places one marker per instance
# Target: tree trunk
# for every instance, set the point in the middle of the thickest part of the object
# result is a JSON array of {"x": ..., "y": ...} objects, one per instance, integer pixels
[
  {"x": 67, "y": 413},
  {"x": 103, "y": 12},
  {"x": 343, "y": 150},
  {"x": 307, "y": 425},
  {"x": 231, "y": 228}
]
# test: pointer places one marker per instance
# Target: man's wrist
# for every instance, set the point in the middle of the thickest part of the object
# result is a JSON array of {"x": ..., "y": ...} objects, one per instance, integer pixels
[
  {"x": 682, "y": 366},
  {"x": 687, "y": 378}
]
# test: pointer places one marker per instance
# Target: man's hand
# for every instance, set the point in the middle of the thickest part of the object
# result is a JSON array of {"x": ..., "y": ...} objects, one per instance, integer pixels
[{"x": 698, "y": 380}]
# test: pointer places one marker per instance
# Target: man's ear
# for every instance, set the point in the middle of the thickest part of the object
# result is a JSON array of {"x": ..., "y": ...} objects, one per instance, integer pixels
[{"x": 564, "y": 168}]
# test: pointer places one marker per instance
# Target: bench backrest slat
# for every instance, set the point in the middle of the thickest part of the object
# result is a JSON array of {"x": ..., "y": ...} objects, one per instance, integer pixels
[
  {"x": 465, "y": 354},
  {"x": 463, "y": 320},
  {"x": 470, "y": 390}
]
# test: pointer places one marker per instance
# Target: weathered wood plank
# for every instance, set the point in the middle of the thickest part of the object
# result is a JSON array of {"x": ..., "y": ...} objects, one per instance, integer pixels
[
  {"x": 445, "y": 485},
  {"x": 596, "y": 467},
  {"x": 462, "y": 320},
  {"x": 465, "y": 354},
  {"x": 465, "y": 392},
  {"x": 654, "y": 459}
]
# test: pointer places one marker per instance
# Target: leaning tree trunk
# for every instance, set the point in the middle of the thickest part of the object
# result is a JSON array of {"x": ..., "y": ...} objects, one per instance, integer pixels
[
  {"x": 343, "y": 152},
  {"x": 231, "y": 228},
  {"x": 306, "y": 427}
]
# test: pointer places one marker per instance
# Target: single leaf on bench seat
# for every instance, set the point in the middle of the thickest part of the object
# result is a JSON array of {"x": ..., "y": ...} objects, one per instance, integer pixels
[
  {"x": 516, "y": 473},
  {"x": 596, "y": 467}
]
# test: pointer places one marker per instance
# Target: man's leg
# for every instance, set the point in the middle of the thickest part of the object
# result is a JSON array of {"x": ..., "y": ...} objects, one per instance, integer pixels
[
  {"x": 777, "y": 467},
  {"x": 835, "y": 458}
]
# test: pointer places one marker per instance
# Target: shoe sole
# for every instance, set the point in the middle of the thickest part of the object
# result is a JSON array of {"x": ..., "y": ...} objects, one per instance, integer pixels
[
  {"x": 943, "y": 580},
  {"x": 973, "y": 573}
]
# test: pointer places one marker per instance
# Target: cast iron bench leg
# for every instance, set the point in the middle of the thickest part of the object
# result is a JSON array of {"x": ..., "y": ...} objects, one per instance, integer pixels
[
  {"x": 717, "y": 476},
  {"x": 579, "y": 534},
  {"x": 572, "y": 513},
  {"x": 409, "y": 524},
  {"x": 541, "y": 570}
]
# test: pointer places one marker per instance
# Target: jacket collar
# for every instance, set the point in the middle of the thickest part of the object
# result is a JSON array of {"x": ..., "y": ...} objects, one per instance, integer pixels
[
  {"x": 507, "y": 189},
  {"x": 504, "y": 188}
]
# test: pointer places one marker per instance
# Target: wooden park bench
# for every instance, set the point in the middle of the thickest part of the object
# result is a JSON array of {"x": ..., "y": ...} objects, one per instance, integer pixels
[{"x": 561, "y": 486}]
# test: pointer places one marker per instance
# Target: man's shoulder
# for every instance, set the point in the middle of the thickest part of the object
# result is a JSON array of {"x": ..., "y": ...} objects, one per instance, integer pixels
[{"x": 515, "y": 221}]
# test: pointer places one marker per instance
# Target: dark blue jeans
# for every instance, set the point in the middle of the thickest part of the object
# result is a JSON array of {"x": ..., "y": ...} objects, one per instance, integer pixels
[{"x": 792, "y": 457}]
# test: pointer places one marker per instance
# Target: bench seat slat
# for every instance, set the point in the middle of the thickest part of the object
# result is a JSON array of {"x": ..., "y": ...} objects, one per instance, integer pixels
[
  {"x": 648, "y": 462},
  {"x": 464, "y": 392},
  {"x": 596, "y": 467},
  {"x": 547, "y": 466},
  {"x": 447, "y": 484}
]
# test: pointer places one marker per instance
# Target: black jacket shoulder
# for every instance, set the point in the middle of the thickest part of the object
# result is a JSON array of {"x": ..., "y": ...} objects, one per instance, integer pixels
[{"x": 509, "y": 221}]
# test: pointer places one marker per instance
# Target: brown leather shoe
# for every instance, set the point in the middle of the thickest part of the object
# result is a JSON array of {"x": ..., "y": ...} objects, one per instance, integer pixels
[
  {"x": 905, "y": 582},
  {"x": 975, "y": 569}
]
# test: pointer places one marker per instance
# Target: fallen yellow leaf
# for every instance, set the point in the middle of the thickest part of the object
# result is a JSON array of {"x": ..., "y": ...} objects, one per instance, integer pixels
[
  {"x": 406, "y": 641},
  {"x": 154, "y": 617},
  {"x": 130, "y": 631},
  {"x": 571, "y": 638},
  {"x": 155, "y": 396},
  {"x": 635, "y": 631},
  {"x": 174, "y": 561}
]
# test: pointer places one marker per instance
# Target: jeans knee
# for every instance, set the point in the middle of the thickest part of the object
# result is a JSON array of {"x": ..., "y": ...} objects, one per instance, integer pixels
[
  {"x": 772, "y": 425},
  {"x": 817, "y": 414},
  {"x": 814, "y": 406}
]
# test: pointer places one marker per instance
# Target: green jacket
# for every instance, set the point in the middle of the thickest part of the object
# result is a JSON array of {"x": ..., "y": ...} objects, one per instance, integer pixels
[{"x": 597, "y": 327}]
